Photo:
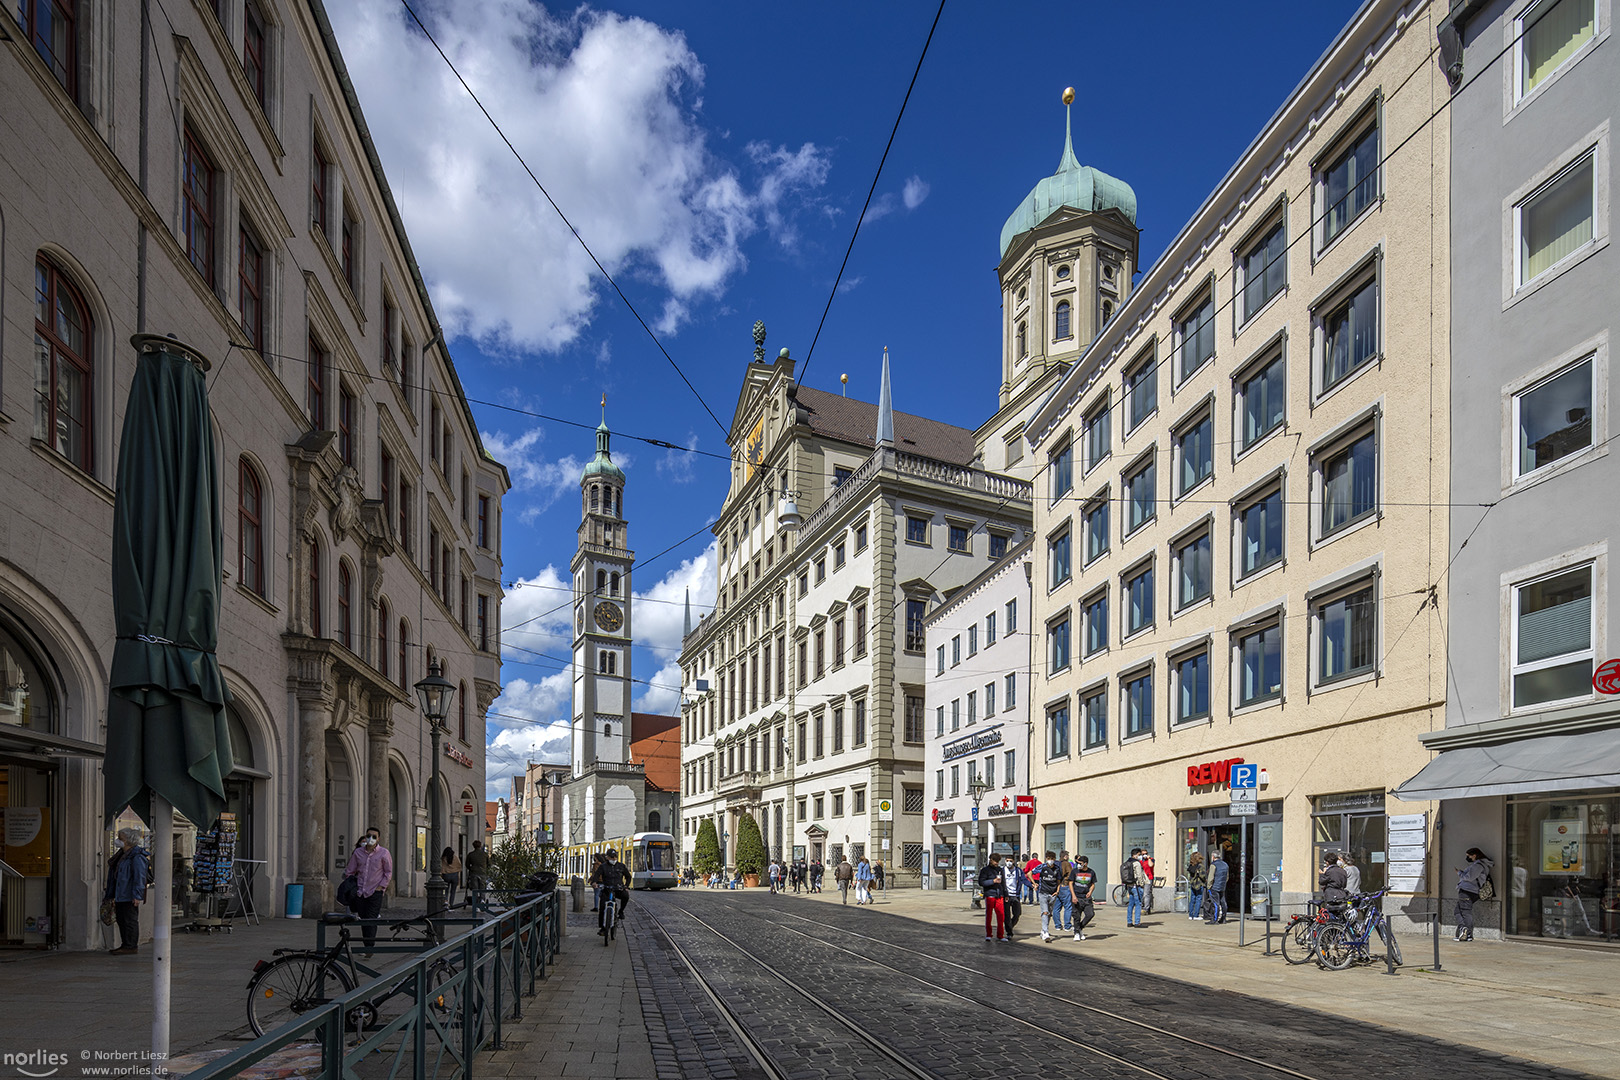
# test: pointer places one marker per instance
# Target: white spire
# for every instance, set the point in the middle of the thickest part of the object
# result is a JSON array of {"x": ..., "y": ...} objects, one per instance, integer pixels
[
  {"x": 688, "y": 632},
  {"x": 885, "y": 422}
]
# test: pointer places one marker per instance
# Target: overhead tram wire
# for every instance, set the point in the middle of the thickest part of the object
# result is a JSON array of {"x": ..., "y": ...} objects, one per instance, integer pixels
[
  {"x": 629, "y": 306},
  {"x": 833, "y": 293}
]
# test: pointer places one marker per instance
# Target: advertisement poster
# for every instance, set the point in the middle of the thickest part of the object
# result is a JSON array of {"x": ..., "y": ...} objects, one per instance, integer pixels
[
  {"x": 1563, "y": 847},
  {"x": 28, "y": 840}
]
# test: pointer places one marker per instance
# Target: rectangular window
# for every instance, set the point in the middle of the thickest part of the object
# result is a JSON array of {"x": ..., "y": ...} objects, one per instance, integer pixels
[
  {"x": 1096, "y": 514},
  {"x": 1260, "y": 532},
  {"x": 989, "y": 629},
  {"x": 483, "y": 622},
  {"x": 1347, "y": 629},
  {"x": 1195, "y": 454},
  {"x": 1057, "y": 636},
  {"x": 1096, "y": 620},
  {"x": 804, "y": 583},
  {"x": 1057, "y": 732},
  {"x": 998, "y": 546},
  {"x": 990, "y": 771},
  {"x": 956, "y": 650},
  {"x": 1260, "y": 665},
  {"x": 319, "y": 169},
  {"x": 1347, "y": 186},
  {"x": 1555, "y": 221},
  {"x": 957, "y": 538},
  {"x": 1012, "y": 616},
  {"x": 1058, "y": 559},
  {"x": 915, "y": 637},
  {"x": 1552, "y": 653},
  {"x": 1195, "y": 337},
  {"x": 1140, "y": 505},
  {"x": 860, "y": 538},
  {"x": 956, "y": 714},
  {"x": 1095, "y": 710},
  {"x": 838, "y": 804},
  {"x": 956, "y": 781},
  {"x": 821, "y": 570},
  {"x": 253, "y": 51},
  {"x": 973, "y": 640},
  {"x": 250, "y": 286},
  {"x": 1011, "y": 692},
  {"x": 350, "y": 254},
  {"x": 939, "y": 784},
  {"x": 1141, "y": 391},
  {"x": 940, "y": 657},
  {"x": 389, "y": 332},
  {"x": 1138, "y": 696},
  {"x": 803, "y": 745},
  {"x": 820, "y": 746},
  {"x": 1009, "y": 768},
  {"x": 315, "y": 385},
  {"x": 916, "y": 529},
  {"x": 804, "y": 809},
  {"x": 860, "y": 631},
  {"x": 345, "y": 425},
  {"x": 1263, "y": 398},
  {"x": 821, "y": 653},
  {"x": 198, "y": 181},
  {"x": 940, "y": 721},
  {"x": 483, "y": 521},
  {"x": 838, "y": 730},
  {"x": 912, "y": 800},
  {"x": 1264, "y": 269},
  {"x": 858, "y": 801},
  {"x": 973, "y": 707},
  {"x": 1099, "y": 439},
  {"x": 1195, "y": 578},
  {"x": 1549, "y": 34},
  {"x": 1061, "y": 464},
  {"x": 1349, "y": 334},
  {"x": 1139, "y": 601},
  {"x": 1553, "y": 418},
  {"x": 821, "y": 805},
  {"x": 989, "y": 700},
  {"x": 840, "y": 474},
  {"x": 838, "y": 559},
  {"x": 838, "y": 643},
  {"x": 804, "y": 663},
  {"x": 1192, "y": 687},
  {"x": 1349, "y": 479},
  {"x": 914, "y": 720},
  {"x": 858, "y": 735}
]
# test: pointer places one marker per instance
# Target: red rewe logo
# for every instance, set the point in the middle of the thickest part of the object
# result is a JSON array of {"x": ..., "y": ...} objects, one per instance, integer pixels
[
  {"x": 1606, "y": 679},
  {"x": 936, "y": 815}
]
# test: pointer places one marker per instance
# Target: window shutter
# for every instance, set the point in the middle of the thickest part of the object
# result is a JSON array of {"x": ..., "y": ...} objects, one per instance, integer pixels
[{"x": 1553, "y": 631}]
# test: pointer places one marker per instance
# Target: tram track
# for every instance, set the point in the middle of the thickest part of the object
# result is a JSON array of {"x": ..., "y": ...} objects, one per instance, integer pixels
[{"x": 1124, "y": 1066}]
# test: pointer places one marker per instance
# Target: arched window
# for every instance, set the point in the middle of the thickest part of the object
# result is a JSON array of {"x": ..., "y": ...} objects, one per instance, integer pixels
[
  {"x": 607, "y": 731},
  {"x": 345, "y": 625},
  {"x": 613, "y": 663},
  {"x": 315, "y": 588},
  {"x": 601, "y": 580},
  {"x": 382, "y": 638},
  {"x": 655, "y": 822},
  {"x": 1023, "y": 340},
  {"x": 1107, "y": 310},
  {"x": 594, "y": 496},
  {"x": 404, "y": 654},
  {"x": 64, "y": 379},
  {"x": 461, "y": 711},
  {"x": 601, "y": 663},
  {"x": 249, "y": 528},
  {"x": 613, "y": 584},
  {"x": 1061, "y": 323}
]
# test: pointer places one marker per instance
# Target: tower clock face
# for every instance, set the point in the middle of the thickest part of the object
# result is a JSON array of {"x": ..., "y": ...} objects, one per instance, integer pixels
[
  {"x": 608, "y": 616},
  {"x": 579, "y": 621}
]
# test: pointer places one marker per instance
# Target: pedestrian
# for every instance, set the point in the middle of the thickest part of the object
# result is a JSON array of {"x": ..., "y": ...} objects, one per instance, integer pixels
[
  {"x": 844, "y": 874},
  {"x": 1065, "y": 899},
  {"x": 1195, "y": 885},
  {"x": 818, "y": 870},
  {"x": 1215, "y": 891},
  {"x": 1473, "y": 881},
  {"x": 1081, "y": 885},
  {"x": 1352, "y": 874},
  {"x": 1014, "y": 884},
  {"x": 878, "y": 878},
  {"x": 1331, "y": 879},
  {"x": 450, "y": 871},
  {"x": 477, "y": 868},
  {"x": 1133, "y": 876},
  {"x": 1032, "y": 864},
  {"x": 772, "y": 872},
  {"x": 863, "y": 882},
  {"x": 127, "y": 874},
  {"x": 373, "y": 868},
  {"x": 993, "y": 884},
  {"x": 1047, "y": 878}
]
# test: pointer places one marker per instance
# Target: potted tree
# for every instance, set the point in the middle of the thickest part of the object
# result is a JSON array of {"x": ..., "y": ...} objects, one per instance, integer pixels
[
  {"x": 750, "y": 851},
  {"x": 706, "y": 852}
]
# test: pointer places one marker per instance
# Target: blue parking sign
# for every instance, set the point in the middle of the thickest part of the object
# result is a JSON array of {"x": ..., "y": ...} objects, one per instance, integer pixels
[
  {"x": 1245, "y": 776},
  {"x": 975, "y": 813}
]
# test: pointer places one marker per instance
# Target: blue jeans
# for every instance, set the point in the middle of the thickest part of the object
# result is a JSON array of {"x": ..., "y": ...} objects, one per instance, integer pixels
[
  {"x": 1064, "y": 916},
  {"x": 1195, "y": 903},
  {"x": 1133, "y": 905}
]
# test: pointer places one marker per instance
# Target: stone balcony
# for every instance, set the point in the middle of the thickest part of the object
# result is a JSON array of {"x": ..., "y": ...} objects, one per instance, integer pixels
[{"x": 886, "y": 459}]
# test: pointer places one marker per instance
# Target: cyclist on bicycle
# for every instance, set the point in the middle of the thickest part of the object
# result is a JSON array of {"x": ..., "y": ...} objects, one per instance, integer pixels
[{"x": 613, "y": 878}]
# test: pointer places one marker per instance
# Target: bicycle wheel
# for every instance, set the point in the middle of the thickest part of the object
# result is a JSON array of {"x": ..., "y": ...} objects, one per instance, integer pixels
[
  {"x": 444, "y": 1001},
  {"x": 1116, "y": 896},
  {"x": 292, "y": 985},
  {"x": 1335, "y": 947},
  {"x": 1299, "y": 941},
  {"x": 1390, "y": 943},
  {"x": 608, "y": 916}
]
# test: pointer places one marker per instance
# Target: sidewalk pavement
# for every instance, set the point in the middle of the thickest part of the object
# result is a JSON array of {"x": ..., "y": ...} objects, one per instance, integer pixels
[{"x": 1552, "y": 1003}]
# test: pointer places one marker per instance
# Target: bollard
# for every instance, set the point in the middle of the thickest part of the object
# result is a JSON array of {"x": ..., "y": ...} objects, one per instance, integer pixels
[
  {"x": 576, "y": 888},
  {"x": 1437, "y": 966},
  {"x": 1268, "y": 929}
]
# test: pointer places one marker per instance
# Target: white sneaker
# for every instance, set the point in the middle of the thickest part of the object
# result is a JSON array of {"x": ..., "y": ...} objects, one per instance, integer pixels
[
  {"x": 1045, "y": 936},
  {"x": 1079, "y": 937}
]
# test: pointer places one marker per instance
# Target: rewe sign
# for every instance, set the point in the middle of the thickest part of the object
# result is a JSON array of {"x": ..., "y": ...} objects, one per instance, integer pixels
[{"x": 1211, "y": 772}]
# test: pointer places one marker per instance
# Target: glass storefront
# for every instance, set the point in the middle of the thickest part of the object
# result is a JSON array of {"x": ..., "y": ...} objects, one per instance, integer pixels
[
  {"x": 1561, "y": 878},
  {"x": 1092, "y": 842},
  {"x": 30, "y": 834},
  {"x": 1352, "y": 824},
  {"x": 1218, "y": 835}
]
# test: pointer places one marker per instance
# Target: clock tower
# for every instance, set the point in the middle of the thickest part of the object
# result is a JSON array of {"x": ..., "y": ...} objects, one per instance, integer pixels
[{"x": 602, "y": 618}]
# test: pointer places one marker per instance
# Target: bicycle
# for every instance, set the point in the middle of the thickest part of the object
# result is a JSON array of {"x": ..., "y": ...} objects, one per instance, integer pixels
[
  {"x": 1119, "y": 896},
  {"x": 611, "y": 916},
  {"x": 1299, "y": 934},
  {"x": 1342, "y": 942},
  {"x": 296, "y": 981}
]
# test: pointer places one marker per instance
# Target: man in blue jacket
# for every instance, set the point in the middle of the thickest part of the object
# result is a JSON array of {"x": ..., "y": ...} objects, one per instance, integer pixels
[
  {"x": 127, "y": 873},
  {"x": 1215, "y": 894}
]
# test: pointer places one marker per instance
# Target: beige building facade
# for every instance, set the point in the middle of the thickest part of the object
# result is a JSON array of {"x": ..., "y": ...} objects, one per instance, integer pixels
[
  {"x": 212, "y": 178},
  {"x": 1241, "y": 524}
]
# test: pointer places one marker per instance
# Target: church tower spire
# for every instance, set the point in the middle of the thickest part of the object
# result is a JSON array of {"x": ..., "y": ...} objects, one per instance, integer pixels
[
  {"x": 885, "y": 417},
  {"x": 600, "y": 728}
]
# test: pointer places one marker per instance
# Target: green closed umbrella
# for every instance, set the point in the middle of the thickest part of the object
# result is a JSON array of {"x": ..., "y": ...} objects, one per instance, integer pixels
[{"x": 166, "y": 731}]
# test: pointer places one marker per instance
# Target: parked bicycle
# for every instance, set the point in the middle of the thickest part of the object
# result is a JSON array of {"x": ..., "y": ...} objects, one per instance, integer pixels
[
  {"x": 298, "y": 980},
  {"x": 1300, "y": 932},
  {"x": 1348, "y": 938},
  {"x": 1118, "y": 895}
]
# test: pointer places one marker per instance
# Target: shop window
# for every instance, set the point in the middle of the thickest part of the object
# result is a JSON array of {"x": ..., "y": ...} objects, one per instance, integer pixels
[
  {"x": 64, "y": 375},
  {"x": 1561, "y": 868},
  {"x": 25, "y": 697},
  {"x": 1353, "y": 824},
  {"x": 1552, "y": 635}
]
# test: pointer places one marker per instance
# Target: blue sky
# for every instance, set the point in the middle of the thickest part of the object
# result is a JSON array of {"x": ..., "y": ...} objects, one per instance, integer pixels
[{"x": 716, "y": 158}]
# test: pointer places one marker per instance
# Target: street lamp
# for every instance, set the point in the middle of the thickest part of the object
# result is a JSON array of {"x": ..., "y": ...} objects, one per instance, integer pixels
[
  {"x": 976, "y": 788},
  {"x": 435, "y": 692}
]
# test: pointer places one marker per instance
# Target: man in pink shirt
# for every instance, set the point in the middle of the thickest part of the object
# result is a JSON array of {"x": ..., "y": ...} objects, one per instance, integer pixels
[{"x": 372, "y": 868}]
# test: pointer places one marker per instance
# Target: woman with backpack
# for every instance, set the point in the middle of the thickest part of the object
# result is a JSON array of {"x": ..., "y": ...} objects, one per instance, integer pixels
[{"x": 1473, "y": 884}]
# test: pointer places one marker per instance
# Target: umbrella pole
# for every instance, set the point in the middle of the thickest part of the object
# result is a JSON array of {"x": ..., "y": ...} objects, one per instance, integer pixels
[{"x": 162, "y": 912}]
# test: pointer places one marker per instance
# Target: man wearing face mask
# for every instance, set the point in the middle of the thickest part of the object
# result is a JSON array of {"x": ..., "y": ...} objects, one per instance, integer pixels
[{"x": 373, "y": 869}]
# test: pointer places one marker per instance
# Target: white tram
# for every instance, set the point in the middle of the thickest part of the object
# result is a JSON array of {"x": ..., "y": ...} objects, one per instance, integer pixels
[{"x": 649, "y": 855}]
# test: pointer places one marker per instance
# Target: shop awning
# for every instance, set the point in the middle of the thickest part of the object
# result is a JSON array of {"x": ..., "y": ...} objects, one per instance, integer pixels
[
  {"x": 1587, "y": 759},
  {"x": 21, "y": 740}
]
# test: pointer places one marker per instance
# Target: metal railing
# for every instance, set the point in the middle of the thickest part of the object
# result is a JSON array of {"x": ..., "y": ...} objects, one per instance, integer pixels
[
  {"x": 885, "y": 459},
  {"x": 457, "y": 998}
]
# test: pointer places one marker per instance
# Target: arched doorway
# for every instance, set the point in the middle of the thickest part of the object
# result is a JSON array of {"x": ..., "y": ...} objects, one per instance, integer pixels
[
  {"x": 340, "y": 798},
  {"x": 399, "y": 832},
  {"x": 30, "y": 786}
]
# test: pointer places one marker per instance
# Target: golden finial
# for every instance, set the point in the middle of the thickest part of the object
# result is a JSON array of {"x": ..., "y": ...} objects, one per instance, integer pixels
[
  {"x": 845, "y": 380},
  {"x": 1068, "y": 96}
]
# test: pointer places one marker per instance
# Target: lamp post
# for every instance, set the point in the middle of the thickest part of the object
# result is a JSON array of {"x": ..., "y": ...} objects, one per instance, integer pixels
[
  {"x": 976, "y": 788},
  {"x": 435, "y": 693}
]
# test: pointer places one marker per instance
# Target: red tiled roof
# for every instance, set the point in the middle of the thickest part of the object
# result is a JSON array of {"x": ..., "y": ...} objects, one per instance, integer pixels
[
  {"x": 655, "y": 741},
  {"x": 849, "y": 420}
]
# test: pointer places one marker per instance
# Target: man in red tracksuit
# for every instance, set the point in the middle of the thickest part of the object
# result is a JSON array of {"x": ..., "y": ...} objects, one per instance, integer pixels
[{"x": 993, "y": 884}]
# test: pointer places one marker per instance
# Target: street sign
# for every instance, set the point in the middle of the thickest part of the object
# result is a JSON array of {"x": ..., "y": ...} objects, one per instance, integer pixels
[
  {"x": 1246, "y": 775},
  {"x": 1606, "y": 679},
  {"x": 975, "y": 813},
  {"x": 885, "y": 809},
  {"x": 1245, "y": 802},
  {"x": 469, "y": 808}
]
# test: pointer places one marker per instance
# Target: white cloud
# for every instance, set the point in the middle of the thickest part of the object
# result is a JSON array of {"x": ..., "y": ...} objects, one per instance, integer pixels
[
  {"x": 676, "y": 466},
  {"x": 529, "y": 721},
  {"x": 604, "y": 109},
  {"x": 915, "y": 191},
  {"x": 537, "y": 481},
  {"x": 660, "y": 625}
]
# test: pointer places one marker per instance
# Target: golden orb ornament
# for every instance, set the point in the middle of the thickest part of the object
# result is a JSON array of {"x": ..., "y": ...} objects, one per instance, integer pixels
[{"x": 1068, "y": 96}]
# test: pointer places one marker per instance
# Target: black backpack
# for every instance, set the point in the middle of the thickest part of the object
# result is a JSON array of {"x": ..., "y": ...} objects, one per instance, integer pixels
[{"x": 1127, "y": 872}]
